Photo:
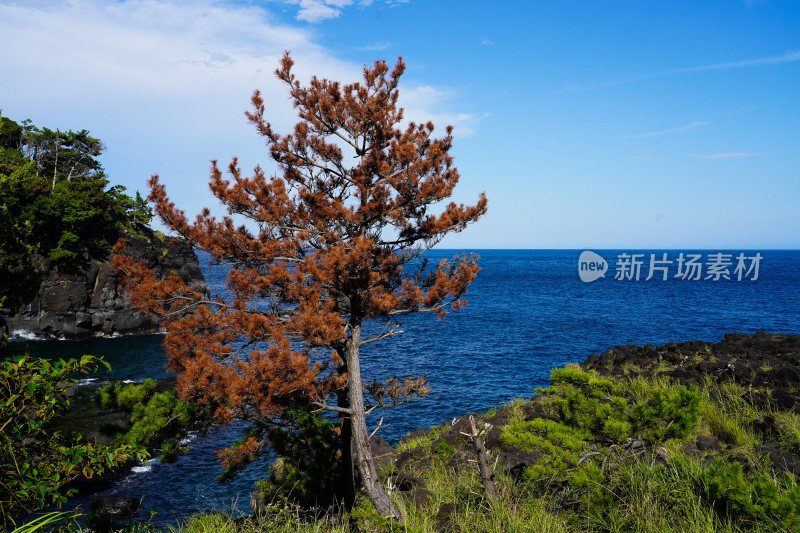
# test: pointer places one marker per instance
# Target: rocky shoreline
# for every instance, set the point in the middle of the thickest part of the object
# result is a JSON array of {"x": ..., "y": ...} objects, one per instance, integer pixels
[
  {"x": 89, "y": 301},
  {"x": 766, "y": 365}
]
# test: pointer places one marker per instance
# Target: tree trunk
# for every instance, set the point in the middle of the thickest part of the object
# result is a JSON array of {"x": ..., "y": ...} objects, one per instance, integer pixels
[
  {"x": 55, "y": 166},
  {"x": 483, "y": 466},
  {"x": 348, "y": 479},
  {"x": 366, "y": 463},
  {"x": 345, "y": 443}
]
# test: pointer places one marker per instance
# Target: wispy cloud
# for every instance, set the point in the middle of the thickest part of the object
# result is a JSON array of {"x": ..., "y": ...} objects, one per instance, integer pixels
[
  {"x": 427, "y": 103},
  {"x": 728, "y": 155},
  {"x": 689, "y": 126},
  {"x": 486, "y": 42},
  {"x": 319, "y": 10},
  {"x": 315, "y": 11},
  {"x": 375, "y": 47},
  {"x": 788, "y": 57},
  {"x": 165, "y": 84}
]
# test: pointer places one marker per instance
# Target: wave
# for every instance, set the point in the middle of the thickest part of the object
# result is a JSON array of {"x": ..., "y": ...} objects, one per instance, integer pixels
[
  {"x": 25, "y": 335},
  {"x": 22, "y": 335},
  {"x": 147, "y": 466},
  {"x": 188, "y": 439}
]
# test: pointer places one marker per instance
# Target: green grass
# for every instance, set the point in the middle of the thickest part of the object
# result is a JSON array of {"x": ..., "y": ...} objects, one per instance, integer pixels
[
  {"x": 422, "y": 441},
  {"x": 617, "y": 489}
]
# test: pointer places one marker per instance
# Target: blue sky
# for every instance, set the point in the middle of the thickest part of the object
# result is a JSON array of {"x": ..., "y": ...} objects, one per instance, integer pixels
[{"x": 589, "y": 124}]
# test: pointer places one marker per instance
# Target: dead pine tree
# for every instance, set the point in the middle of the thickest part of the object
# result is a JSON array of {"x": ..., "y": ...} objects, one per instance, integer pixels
[
  {"x": 333, "y": 240},
  {"x": 487, "y": 478}
]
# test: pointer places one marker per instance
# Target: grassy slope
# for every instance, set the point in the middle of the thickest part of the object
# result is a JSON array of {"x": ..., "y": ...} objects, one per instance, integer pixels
[{"x": 618, "y": 445}]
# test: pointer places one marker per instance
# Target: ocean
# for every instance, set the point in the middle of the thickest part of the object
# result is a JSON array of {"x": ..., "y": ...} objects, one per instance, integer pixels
[{"x": 528, "y": 311}]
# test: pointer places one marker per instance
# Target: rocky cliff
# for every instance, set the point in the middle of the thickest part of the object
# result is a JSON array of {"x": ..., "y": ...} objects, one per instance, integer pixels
[{"x": 88, "y": 300}]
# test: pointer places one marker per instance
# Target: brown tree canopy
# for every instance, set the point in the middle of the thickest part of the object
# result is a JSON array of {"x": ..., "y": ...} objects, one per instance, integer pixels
[{"x": 333, "y": 239}]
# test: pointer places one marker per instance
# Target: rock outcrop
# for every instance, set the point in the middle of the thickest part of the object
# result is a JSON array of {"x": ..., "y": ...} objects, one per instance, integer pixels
[{"x": 88, "y": 300}]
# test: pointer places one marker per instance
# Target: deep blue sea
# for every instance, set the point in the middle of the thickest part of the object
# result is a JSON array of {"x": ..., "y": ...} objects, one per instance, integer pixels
[{"x": 528, "y": 311}]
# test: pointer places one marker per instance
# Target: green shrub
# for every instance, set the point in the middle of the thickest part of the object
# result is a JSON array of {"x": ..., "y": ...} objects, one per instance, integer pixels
[
  {"x": 309, "y": 473},
  {"x": 669, "y": 413},
  {"x": 444, "y": 451},
  {"x": 131, "y": 395},
  {"x": 106, "y": 397},
  {"x": 156, "y": 419},
  {"x": 559, "y": 444},
  {"x": 582, "y": 400},
  {"x": 36, "y": 464},
  {"x": 754, "y": 497}
]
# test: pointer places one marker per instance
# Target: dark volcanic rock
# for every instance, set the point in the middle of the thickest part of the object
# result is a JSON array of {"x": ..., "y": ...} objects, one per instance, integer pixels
[
  {"x": 88, "y": 300},
  {"x": 708, "y": 443},
  {"x": 760, "y": 360},
  {"x": 412, "y": 457},
  {"x": 421, "y": 497},
  {"x": 516, "y": 461},
  {"x": 114, "y": 507},
  {"x": 381, "y": 450},
  {"x": 406, "y": 482},
  {"x": 781, "y": 459}
]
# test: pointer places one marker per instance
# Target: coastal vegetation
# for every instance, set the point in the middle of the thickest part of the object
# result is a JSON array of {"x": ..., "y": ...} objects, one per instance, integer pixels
[
  {"x": 607, "y": 449},
  {"x": 634, "y": 439},
  {"x": 630, "y": 450},
  {"x": 59, "y": 218},
  {"x": 56, "y": 206},
  {"x": 37, "y": 463},
  {"x": 157, "y": 420}
]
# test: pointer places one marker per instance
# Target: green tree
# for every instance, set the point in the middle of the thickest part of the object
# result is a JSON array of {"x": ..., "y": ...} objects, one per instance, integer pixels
[{"x": 56, "y": 205}]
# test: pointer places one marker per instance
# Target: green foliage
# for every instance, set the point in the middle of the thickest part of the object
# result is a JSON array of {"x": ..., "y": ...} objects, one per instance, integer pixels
[
  {"x": 309, "y": 473},
  {"x": 35, "y": 463},
  {"x": 589, "y": 482},
  {"x": 559, "y": 444},
  {"x": 156, "y": 419},
  {"x": 128, "y": 397},
  {"x": 45, "y": 521},
  {"x": 55, "y": 204},
  {"x": 669, "y": 413},
  {"x": 106, "y": 397},
  {"x": 366, "y": 518},
  {"x": 444, "y": 451},
  {"x": 582, "y": 400},
  {"x": 639, "y": 495},
  {"x": 421, "y": 441},
  {"x": 754, "y": 497}
]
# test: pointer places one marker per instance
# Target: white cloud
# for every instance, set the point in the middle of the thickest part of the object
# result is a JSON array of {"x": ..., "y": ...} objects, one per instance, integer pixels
[
  {"x": 426, "y": 103},
  {"x": 375, "y": 47},
  {"x": 788, "y": 57},
  {"x": 165, "y": 85},
  {"x": 319, "y": 10}
]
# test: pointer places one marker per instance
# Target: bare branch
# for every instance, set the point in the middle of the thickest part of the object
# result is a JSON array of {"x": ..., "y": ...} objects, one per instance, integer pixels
[{"x": 328, "y": 407}]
